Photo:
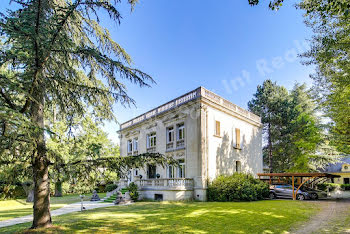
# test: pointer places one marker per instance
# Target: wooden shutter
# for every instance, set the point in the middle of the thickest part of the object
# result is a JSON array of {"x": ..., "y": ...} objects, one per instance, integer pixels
[
  {"x": 238, "y": 138},
  {"x": 217, "y": 128}
]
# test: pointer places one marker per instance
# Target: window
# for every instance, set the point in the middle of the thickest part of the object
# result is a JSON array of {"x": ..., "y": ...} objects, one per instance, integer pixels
[
  {"x": 170, "y": 134},
  {"x": 346, "y": 180},
  {"x": 181, "y": 169},
  {"x": 136, "y": 172},
  {"x": 152, "y": 171},
  {"x": 129, "y": 146},
  {"x": 151, "y": 140},
  {"x": 238, "y": 138},
  {"x": 238, "y": 166},
  {"x": 136, "y": 144},
  {"x": 180, "y": 131},
  {"x": 171, "y": 170},
  {"x": 217, "y": 128}
]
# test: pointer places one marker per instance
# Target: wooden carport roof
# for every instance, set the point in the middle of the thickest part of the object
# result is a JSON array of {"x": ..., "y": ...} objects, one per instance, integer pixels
[
  {"x": 290, "y": 174},
  {"x": 310, "y": 176}
]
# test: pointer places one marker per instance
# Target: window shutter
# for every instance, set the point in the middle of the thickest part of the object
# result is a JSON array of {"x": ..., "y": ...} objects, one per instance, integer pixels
[
  {"x": 217, "y": 128},
  {"x": 238, "y": 137}
]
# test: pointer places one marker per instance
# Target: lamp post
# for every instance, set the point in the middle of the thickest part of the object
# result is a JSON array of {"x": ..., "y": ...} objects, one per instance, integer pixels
[{"x": 81, "y": 200}]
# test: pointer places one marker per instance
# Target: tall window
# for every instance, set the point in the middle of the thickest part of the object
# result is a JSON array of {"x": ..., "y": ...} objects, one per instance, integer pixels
[
  {"x": 129, "y": 146},
  {"x": 238, "y": 166},
  {"x": 151, "y": 140},
  {"x": 238, "y": 138},
  {"x": 136, "y": 144},
  {"x": 181, "y": 169},
  {"x": 180, "y": 131},
  {"x": 170, "y": 134},
  {"x": 171, "y": 170},
  {"x": 217, "y": 128}
]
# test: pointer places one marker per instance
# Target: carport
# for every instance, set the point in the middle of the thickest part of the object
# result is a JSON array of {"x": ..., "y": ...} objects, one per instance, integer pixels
[{"x": 302, "y": 178}]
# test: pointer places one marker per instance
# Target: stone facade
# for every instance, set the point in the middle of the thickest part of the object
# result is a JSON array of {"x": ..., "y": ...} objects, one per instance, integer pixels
[{"x": 207, "y": 134}]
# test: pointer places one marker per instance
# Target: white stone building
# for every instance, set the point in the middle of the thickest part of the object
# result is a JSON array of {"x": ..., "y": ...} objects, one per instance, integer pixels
[{"x": 207, "y": 134}]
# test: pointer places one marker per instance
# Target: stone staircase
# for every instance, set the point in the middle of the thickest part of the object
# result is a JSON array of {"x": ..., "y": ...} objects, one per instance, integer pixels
[{"x": 111, "y": 198}]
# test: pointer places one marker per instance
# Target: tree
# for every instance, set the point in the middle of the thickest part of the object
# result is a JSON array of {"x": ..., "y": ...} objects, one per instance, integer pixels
[
  {"x": 82, "y": 139},
  {"x": 55, "y": 54},
  {"x": 291, "y": 127},
  {"x": 330, "y": 21},
  {"x": 330, "y": 50},
  {"x": 269, "y": 103}
]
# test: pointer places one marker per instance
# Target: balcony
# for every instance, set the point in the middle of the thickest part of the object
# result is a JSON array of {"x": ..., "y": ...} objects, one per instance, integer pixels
[
  {"x": 151, "y": 150},
  {"x": 180, "y": 144},
  {"x": 170, "y": 146},
  {"x": 166, "y": 184}
]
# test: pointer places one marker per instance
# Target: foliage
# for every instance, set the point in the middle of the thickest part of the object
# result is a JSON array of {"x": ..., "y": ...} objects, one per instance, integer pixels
[
  {"x": 328, "y": 186},
  {"x": 294, "y": 137},
  {"x": 276, "y": 216},
  {"x": 56, "y": 57},
  {"x": 237, "y": 187},
  {"x": 345, "y": 186},
  {"x": 329, "y": 52},
  {"x": 110, "y": 187},
  {"x": 330, "y": 47},
  {"x": 133, "y": 190}
]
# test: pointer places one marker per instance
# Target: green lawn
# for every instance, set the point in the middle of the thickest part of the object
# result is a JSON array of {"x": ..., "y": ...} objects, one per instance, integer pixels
[
  {"x": 200, "y": 217},
  {"x": 19, "y": 207}
]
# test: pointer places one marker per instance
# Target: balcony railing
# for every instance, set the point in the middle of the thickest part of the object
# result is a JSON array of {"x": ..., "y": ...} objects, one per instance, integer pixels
[
  {"x": 180, "y": 144},
  {"x": 166, "y": 184},
  {"x": 170, "y": 146},
  {"x": 151, "y": 150}
]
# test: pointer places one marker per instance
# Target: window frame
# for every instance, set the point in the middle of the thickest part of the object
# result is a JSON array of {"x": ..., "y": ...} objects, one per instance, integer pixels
[
  {"x": 135, "y": 146},
  {"x": 151, "y": 140},
  {"x": 180, "y": 127},
  {"x": 129, "y": 146},
  {"x": 170, "y": 132},
  {"x": 238, "y": 166}
]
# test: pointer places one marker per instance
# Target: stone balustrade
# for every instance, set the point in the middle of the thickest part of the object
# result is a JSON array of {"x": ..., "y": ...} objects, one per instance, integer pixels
[{"x": 165, "y": 184}]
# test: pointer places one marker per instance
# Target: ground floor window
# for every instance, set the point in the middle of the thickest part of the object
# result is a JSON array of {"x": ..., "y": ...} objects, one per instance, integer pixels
[
  {"x": 238, "y": 166},
  {"x": 171, "y": 171},
  {"x": 346, "y": 180},
  {"x": 181, "y": 169},
  {"x": 152, "y": 171}
]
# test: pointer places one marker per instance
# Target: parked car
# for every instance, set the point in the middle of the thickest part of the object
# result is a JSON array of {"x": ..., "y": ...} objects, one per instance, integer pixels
[
  {"x": 286, "y": 191},
  {"x": 315, "y": 193}
]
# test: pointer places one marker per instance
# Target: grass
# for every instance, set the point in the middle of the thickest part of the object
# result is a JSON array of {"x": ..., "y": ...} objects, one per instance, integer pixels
[
  {"x": 16, "y": 208},
  {"x": 267, "y": 216}
]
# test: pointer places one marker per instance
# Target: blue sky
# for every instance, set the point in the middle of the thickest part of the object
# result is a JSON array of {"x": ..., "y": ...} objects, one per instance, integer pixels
[{"x": 185, "y": 44}]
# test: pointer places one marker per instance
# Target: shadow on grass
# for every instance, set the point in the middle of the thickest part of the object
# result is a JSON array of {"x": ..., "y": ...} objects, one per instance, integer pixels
[{"x": 242, "y": 217}]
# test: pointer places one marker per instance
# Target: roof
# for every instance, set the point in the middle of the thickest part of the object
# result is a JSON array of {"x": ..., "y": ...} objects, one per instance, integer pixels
[
  {"x": 192, "y": 95},
  {"x": 289, "y": 174},
  {"x": 337, "y": 166}
]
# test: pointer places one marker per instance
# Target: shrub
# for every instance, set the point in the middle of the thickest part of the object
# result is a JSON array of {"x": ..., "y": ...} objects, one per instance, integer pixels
[
  {"x": 331, "y": 186},
  {"x": 345, "y": 186},
  {"x": 111, "y": 187},
  {"x": 237, "y": 187},
  {"x": 134, "y": 195}
]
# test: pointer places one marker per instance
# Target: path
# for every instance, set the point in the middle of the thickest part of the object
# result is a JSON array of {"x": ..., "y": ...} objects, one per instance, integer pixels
[
  {"x": 332, "y": 212},
  {"x": 74, "y": 207}
]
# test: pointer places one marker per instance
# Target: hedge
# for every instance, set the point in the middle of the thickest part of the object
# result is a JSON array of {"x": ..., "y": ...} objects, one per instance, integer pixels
[{"x": 237, "y": 187}]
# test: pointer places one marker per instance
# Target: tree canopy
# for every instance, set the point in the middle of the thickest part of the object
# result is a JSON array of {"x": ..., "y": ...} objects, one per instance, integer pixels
[{"x": 55, "y": 55}]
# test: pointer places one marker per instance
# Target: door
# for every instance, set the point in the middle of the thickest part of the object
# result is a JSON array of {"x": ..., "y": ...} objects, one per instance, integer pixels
[{"x": 151, "y": 171}]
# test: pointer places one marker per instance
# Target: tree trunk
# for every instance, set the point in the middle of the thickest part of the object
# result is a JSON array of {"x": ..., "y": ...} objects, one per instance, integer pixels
[
  {"x": 270, "y": 147},
  {"x": 58, "y": 189},
  {"x": 41, "y": 207}
]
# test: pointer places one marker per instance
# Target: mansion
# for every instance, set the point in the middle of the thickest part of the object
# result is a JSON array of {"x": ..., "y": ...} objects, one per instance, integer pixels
[{"x": 208, "y": 136}]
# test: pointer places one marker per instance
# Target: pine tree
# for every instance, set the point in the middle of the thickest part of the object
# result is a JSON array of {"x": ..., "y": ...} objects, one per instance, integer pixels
[{"x": 54, "y": 53}]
